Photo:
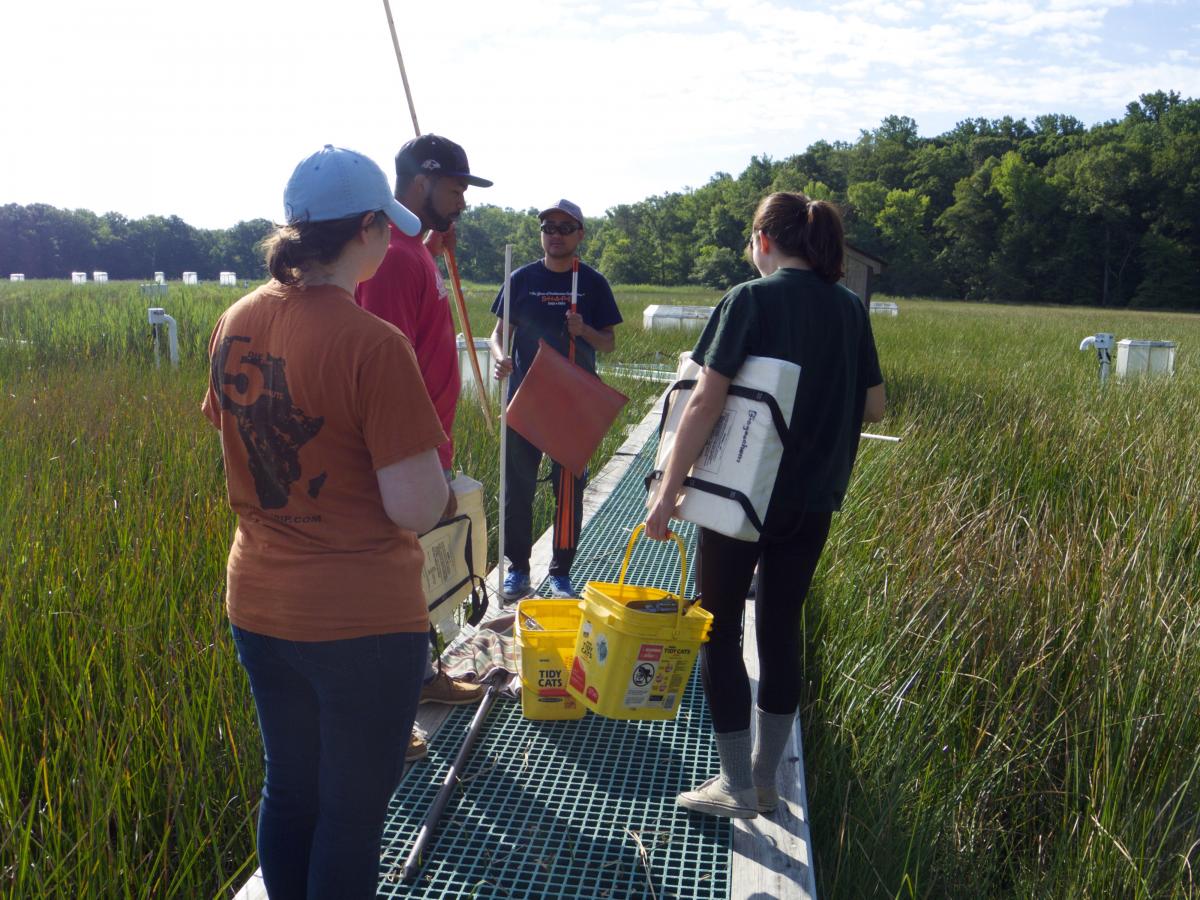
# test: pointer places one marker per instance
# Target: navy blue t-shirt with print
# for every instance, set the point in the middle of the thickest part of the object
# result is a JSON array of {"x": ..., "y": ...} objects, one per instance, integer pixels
[{"x": 538, "y": 308}]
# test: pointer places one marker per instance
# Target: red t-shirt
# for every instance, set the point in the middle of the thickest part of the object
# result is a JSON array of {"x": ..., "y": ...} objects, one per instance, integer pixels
[
  {"x": 408, "y": 291},
  {"x": 312, "y": 395}
]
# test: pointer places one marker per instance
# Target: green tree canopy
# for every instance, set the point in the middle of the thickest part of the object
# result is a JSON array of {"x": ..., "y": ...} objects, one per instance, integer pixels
[{"x": 1048, "y": 210}]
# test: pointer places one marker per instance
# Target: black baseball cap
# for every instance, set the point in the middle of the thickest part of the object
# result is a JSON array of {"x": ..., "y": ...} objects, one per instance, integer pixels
[{"x": 435, "y": 155}]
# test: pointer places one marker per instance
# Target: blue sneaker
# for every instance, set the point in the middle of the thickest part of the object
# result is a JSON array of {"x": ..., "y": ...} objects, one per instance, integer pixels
[
  {"x": 561, "y": 587},
  {"x": 516, "y": 585}
]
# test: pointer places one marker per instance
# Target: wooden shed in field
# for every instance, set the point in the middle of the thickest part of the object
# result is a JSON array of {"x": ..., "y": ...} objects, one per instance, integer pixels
[{"x": 861, "y": 268}]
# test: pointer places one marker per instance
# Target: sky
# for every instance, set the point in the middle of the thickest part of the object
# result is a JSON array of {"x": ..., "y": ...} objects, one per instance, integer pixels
[{"x": 202, "y": 109}]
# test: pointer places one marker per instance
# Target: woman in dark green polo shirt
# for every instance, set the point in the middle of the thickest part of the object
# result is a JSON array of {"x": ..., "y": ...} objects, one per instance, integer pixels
[{"x": 798, "y": 312}]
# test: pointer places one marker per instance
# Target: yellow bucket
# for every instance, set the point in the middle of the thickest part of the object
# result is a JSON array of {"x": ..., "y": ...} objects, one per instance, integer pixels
[
  {"x": 545, "y": 633},
  {"x": 631, "y": 662}
]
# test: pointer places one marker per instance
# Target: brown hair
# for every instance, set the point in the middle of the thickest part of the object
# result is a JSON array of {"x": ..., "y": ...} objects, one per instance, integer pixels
[
  {"x": 290, "y": 249},
  {"x": 809, "y": 229}
]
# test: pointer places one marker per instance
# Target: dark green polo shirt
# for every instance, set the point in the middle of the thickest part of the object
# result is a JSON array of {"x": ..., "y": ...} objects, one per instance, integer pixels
[{"x": 794, "y": 315}]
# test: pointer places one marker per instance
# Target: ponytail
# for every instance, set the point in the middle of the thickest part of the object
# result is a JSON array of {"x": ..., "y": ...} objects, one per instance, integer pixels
[
  {"x": 809, "y": 229},
  {"x": 291, "y": 249}
]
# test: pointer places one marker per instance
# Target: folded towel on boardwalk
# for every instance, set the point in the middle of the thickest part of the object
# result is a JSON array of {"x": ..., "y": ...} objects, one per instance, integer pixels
[{"x": 488, "y": 655}]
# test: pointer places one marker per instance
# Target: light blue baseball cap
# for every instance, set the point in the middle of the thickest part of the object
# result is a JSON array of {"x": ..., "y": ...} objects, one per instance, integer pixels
[{"x": 335, "y": 183}]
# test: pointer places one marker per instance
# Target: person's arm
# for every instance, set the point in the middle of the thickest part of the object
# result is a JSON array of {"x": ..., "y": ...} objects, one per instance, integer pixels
[
  {"x": 452, "y": 498},
  {"x": 603, "y": 339},
  {"x": 414, "y": 491},
  {"x": 876, "y": 403},
  {"x": 699, "y": 416},
  {"x": 504, "y": 364}
]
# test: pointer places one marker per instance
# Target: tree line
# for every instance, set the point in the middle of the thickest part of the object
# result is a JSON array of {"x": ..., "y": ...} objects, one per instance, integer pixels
[
  {"x": 1001, "y": 209},
  {"x": 42, "y": 241}
]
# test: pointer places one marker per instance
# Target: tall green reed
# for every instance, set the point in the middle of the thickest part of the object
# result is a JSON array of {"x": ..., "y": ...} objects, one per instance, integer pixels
[
  {"x": 1001, "y": 650},
  {"x": 129, "y": 755}
]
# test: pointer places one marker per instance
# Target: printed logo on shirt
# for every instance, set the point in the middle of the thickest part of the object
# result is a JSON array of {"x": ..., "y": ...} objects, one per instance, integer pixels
[
  {"x": 271, "y": 427},
  {"x": 442, "y": 292},
  {"x": 555, "y": 298}
]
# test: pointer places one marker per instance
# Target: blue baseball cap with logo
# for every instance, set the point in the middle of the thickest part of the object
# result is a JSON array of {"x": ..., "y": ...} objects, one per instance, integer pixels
[{"x": 335, "y": 183}]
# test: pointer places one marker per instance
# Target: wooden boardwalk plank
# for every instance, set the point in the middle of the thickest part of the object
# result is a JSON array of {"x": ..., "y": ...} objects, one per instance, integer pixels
[{"x": 772, "y": 855}]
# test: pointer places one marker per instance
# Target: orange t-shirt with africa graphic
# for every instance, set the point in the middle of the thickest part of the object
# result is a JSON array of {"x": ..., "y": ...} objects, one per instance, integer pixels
[{"x": 312, "y": 395}]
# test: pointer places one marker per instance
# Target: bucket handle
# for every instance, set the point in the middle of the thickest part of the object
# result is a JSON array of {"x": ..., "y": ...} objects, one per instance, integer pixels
[{"x": 637, "y": 532}]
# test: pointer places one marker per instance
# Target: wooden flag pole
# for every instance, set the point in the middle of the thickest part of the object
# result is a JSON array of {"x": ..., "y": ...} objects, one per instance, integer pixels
[
  {"x": 412, "y": 110},
  {"x": 460, "y": 303}
]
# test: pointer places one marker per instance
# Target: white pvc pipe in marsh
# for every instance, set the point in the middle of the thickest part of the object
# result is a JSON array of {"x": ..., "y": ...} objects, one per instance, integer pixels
[
  {"x": 173, "y": 340},
  {"x": 158, "y": 316},
  {"x": 504, "y": 338}
]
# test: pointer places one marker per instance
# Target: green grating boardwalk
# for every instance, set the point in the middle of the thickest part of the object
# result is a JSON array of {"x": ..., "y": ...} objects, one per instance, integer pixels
[
  {"x": 550, "y": 809},
  {"x": 602, "y": 544}
]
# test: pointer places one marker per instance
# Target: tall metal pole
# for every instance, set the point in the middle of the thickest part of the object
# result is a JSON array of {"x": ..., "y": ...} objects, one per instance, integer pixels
[
  {"x": 566, "y": 480},
  {"x": 504, "y": 338},
  {"x": 453, "y": 776},
  {"x": 574, "y": 303}
]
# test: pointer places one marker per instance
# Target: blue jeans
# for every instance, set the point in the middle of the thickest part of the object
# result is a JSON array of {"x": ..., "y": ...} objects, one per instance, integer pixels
[{"x": 335, "y": 718}]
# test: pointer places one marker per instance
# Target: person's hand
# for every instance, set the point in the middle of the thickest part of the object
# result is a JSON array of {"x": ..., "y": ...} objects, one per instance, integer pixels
[
  {"x": 658, "y": 519},
  {"x": 503, "y": 368},
  {"x": 438, "y": 242},
  {"x": 451, "y": 506},
  {"x": 574, "y": 324}
]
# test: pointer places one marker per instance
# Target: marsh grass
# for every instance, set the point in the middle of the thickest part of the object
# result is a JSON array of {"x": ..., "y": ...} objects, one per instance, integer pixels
[
  {"x": 1002, "y": 657},
  {"x": 1005, "y": 668}
]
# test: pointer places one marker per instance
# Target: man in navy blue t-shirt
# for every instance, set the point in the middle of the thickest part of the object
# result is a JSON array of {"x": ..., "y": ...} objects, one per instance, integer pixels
[{"x": 540, "y": 308}]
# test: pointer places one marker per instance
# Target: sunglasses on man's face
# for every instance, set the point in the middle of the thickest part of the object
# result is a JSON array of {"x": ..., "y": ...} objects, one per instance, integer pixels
[{"x": 559, "y": 228}]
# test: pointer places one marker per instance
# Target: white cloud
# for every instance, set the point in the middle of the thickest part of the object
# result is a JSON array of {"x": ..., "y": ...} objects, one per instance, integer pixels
[
  {"x": 668, "y": 14},
  {"x": 202, "y": 110},
  {"x": 892, "y": 12}
]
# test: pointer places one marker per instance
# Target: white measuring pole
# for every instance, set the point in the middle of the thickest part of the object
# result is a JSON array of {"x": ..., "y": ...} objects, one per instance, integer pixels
[{"x": 504, "y": 336}]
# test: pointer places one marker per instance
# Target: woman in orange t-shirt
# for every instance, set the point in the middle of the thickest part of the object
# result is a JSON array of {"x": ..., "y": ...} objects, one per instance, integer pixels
[{"x": 330, "y": 448}]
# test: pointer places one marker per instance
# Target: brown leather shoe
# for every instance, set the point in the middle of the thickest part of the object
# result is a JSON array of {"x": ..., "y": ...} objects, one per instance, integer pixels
[
  {"x": 444, "y": 689},
  {"x": 418, "y": 748}
]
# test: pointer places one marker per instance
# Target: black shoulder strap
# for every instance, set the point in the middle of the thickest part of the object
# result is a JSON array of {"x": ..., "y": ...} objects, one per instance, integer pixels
[
  {"x": 717, "y": 490},
  {"x": 772, "y": 404},
  {"x": 787, "y": 437},
  {"x": 682, "y": 385},
  {"x": 737, "y": 390}
]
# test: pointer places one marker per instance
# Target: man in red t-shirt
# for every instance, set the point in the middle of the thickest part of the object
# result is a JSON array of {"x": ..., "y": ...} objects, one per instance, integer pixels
[
  {"x": 408, "y": 290},
  {"x": 432, "y": 175}
]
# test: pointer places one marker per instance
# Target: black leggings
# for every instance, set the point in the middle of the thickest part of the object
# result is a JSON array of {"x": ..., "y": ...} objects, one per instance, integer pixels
[{"x": 785, "y": 570}]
